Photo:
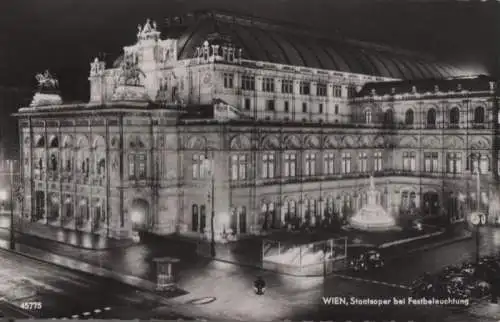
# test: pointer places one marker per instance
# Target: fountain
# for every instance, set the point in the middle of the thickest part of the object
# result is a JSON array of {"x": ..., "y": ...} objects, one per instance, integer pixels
[{"x": 373, "y": 217}]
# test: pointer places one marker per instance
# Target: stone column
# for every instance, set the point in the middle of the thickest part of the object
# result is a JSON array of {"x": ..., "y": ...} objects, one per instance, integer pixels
[{"x": 115, "y": 229}]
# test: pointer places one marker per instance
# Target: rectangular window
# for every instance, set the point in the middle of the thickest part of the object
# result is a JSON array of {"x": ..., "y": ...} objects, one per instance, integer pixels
[
  {"x": 248, "y": 83},
  {"x": 336, "y": 109},
  {"x": 305, "y": 88},
  {"x": 287, "y": 86},
  {"x": 290, "y": 164},
  {"x": 228, "y": 80},
  {"x": 141, "y": 160},
  {"x": 137, "y": 166},
  {"x": 304, "y": 107},
  {"x": 409, "y": 161},
  {"x": 431, "y": 162},
  {"x": 270, "y": 105},
  {"x": 310, "y": 166},
  {"x": 321, "y": 89},
  {"x": 248, "y": 104},
  {"x": 268, "y": 84},
  {"x": 238, "y": 167},
  {"x": 267, "y": 165},
  {"x": 320, "y": 108},
  {"x": 346, "y": 163},
  {"x": 363, "y": 162},
  {"x": 286, "y": 108},
  {"x": 377, "y": 161},
  {"x": 337, "y": 91},
  {"x": 131, "y": 166},
  {"x": 454, "y": 162},
  {"x": 329, "y": 163},
  {"x": 199, "y": 165},
  {"x": 351, "y": 92}
]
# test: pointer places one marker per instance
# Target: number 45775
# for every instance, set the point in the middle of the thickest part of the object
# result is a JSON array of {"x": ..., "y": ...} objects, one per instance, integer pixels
[{"x": 31, "y": 306}]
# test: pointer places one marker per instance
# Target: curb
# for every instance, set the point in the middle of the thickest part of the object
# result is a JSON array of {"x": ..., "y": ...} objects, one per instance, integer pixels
[
  {"x": 100, "y": 272},
  {"x": 409, "y": 240}
]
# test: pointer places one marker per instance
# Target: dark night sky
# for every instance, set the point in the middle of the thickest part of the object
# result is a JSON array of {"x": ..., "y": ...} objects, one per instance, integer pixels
[{"x": 64, "y": 35}]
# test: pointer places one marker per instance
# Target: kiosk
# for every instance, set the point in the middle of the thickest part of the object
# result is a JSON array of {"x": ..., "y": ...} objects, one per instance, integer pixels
[{"x": 164, "y": 272}]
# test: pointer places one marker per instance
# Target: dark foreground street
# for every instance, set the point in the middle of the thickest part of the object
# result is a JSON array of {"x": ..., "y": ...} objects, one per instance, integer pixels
[
  {"x": 29, "y": 288},
  {"x": 66, "y": 294}
]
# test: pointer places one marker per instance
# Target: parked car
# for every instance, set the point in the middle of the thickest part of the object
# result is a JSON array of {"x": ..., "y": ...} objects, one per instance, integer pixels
[{"x": 367, "y": 261}]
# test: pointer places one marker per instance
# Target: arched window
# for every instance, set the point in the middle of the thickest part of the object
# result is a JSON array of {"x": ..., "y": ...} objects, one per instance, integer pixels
[
  {"x": 368, "y": 116},
  {"x": 479, "y": 115},
  {"x": 454, "y": 116},
  {"x": 409, "y": 117},
  {"x": 431, "y": 118}
]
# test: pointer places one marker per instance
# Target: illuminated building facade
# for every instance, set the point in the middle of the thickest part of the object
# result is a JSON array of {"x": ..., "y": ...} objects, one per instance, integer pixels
[{"x": 278, "y": 122}]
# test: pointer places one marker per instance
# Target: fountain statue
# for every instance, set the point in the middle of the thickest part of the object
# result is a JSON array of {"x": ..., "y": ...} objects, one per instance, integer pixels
[{"x": 372, "y": 217}]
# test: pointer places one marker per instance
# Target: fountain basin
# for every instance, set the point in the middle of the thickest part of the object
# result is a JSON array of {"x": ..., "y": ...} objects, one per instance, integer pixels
[{"x": 373, "y": 217}]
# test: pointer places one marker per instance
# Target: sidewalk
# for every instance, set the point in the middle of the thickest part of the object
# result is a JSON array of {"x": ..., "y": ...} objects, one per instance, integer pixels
[
  {"x": 64, "y": 236},
  {"x": 230, "y": 284}
]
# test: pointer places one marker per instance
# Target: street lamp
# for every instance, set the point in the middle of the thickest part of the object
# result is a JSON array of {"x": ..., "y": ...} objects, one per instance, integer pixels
[
  {"x": 478, "y": 218},
  {"x": 12, "y": 242},
  {"x": 210, "y": 165}
]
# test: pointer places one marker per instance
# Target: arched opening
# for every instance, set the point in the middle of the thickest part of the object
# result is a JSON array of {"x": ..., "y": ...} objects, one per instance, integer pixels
[
  {"x": 83, "y": 215},
  {"x": 40, "y": 143},
  {"x": 195, "y": 215},
  {"x": 389, "y": 118},
  {"x": 454, "y": 117},
  {"x": 53, "y": 205},
  {"x": 311, "y": 211},
  {"x": 54, "y": 142},
  {"x": 431, "y": 118},
  {"x": 346, "y": 207},
  {"x": 39, "y": 205},
  {"x": 198, "y": 218},
  {"x": 290, "y": 213},
  {"x": 269, "y": 220},
  {"x": 453, "y": 208},
  {"x": 479, "y": 115},
  {"x": 139, "y": 214},
  {"x": 409, "y": 117},
  {"x": 243, "y": 220},
  {"x": 68, "y": 212},
  {"x": 430, "y": 204},
  {"x": 98, "y": 215}
]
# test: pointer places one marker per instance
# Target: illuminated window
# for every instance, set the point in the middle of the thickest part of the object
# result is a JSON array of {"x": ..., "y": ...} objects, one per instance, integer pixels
[
  {"x": 290, "y": 164},
  {"x": 329, "y": 163}
]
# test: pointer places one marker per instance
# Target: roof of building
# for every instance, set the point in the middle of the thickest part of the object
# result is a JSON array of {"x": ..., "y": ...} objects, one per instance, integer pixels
[
  {"x": 289, "y": 44},
  {"x": 458, "y": 84}
]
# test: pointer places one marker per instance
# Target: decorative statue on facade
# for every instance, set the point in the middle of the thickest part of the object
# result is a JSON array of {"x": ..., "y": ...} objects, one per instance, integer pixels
[
  {"x": 148, "y": 31},
  {"x": 46, "y": 82},
  {"x": 130, "y": 74},
  {"x": 130, "y": 84},
  {"x": 48, "y": 90}
]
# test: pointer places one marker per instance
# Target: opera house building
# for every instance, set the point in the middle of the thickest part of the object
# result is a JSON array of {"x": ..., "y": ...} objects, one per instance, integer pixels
[{"x": 260, "y": 125}]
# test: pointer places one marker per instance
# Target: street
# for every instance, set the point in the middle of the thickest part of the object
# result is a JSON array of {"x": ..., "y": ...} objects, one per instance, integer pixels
[
  {"x": 47, "y": 291},
  {"x": 66, "y": 294}
]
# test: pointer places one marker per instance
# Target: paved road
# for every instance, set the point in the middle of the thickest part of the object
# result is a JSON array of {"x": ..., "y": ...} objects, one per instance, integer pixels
[
  {"x": 67, "y": 294},
  {"x": 47, "y": 291},
  {"x": 403, "y": 270}
]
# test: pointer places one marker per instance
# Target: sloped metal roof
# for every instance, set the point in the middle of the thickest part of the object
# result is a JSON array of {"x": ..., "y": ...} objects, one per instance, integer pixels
[{"x": 290, "y": 45}]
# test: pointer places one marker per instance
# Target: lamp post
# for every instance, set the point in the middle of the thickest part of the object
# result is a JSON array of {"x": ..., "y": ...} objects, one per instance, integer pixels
[
  {"x": 478, "y": 218},
  {"x": 211, "y": 167},
  {"x": 12, "y": 241}
]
